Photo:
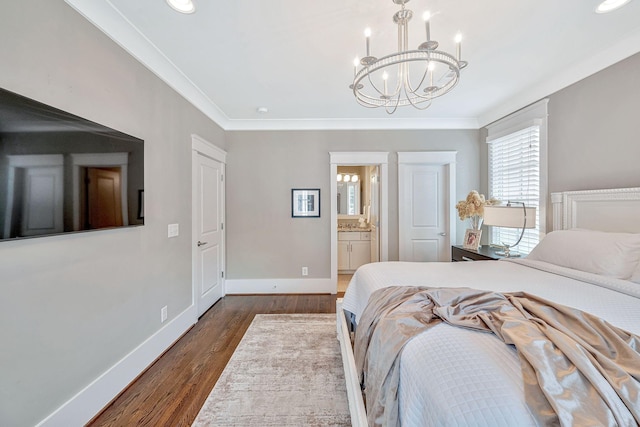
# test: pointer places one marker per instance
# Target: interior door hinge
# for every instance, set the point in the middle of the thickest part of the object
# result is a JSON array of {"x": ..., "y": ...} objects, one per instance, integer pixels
[
  {"x": 222, "y": 225},
  {"x": 221, "y": 177},
  {"x": 222, "y": 273}
]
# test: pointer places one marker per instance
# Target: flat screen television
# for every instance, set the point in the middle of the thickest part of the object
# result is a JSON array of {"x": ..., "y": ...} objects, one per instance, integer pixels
[{"x": 60, "y": 173}]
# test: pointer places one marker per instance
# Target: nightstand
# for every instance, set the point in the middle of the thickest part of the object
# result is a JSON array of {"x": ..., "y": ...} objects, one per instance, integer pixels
[{"x": 484, "y": 253}]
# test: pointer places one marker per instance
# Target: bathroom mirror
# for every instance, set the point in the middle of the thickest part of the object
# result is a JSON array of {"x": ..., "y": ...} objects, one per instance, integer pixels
[
  {"x": 349, "y": 190},
  {"x": 349, "y": 198}
]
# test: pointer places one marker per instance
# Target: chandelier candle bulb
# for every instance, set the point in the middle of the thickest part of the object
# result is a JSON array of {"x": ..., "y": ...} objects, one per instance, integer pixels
[
  {"x": 458, "y": 40},
  {"x": 385, "y": 76},
  {"x": 367, "y": 36},
  {"x": 430, "y": 68},
  {"x": 427, "y": 16}
]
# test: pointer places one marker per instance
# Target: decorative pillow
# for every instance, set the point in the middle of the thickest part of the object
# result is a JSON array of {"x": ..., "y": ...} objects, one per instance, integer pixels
[{"x": 608, "y": 254}]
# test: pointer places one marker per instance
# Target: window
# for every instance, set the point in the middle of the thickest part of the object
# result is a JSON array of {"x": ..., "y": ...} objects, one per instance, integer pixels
[{"x": 517, "y": 170}]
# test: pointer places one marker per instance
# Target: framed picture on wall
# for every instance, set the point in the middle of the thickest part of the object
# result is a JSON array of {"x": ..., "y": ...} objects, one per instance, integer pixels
[
  {"x": 305, "y": 203},
  {"x": 472, "y": 239}
]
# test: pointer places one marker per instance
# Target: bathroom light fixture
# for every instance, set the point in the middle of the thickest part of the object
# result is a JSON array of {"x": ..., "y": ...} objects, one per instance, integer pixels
[
  {"x": 347, "y": 178},
  {"x": 610, "y": 5},
  {"x": 182, "y": 6},
  {"x": 406, "y": 77}
]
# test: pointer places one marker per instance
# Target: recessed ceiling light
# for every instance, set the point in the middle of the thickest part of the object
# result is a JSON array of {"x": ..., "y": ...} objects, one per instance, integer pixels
[
  {"x": 610, "y": 5},
  {"x": 262, "y": 110},
  {"x": 182, "y": 6}
]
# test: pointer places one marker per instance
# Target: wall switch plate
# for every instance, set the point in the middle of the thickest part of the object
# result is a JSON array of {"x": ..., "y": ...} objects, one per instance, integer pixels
[
  {"x": 163, "y": 314},
  {"x": 305, "y": 271},
  {"x": 173, "y": 230}
]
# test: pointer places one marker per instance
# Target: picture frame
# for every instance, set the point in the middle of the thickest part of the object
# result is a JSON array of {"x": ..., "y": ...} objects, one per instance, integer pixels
[
  {"x": 140, "y": 204},
  {"x": 472, "y": 239},
  {"x": 305, "y": 203}
]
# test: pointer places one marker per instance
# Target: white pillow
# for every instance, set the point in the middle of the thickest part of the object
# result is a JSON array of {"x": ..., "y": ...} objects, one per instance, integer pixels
[
  {"x": 635, "y": 277},
  {"x": 608, "y": 254}
]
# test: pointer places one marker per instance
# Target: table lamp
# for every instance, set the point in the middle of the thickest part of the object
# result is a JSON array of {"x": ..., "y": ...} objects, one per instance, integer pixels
[{"x": 510, "y": 216}]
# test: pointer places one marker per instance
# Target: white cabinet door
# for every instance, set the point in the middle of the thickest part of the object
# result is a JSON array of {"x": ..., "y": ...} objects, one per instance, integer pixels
[
  {"x": 354, "y": 249},
  {"x": 343, "y": 255},
  {"x": 360, "y": 253}
]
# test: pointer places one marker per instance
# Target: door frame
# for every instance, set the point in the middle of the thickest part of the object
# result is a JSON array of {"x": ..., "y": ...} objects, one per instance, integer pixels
[
  {"x": 438, "y": 158},
  {"x": 377, "y": 158},
  {"x": 202, "y": 147}
]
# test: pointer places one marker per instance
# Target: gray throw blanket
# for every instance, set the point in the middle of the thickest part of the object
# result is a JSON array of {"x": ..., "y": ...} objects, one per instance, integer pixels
[{"x": 578, "y": 370}]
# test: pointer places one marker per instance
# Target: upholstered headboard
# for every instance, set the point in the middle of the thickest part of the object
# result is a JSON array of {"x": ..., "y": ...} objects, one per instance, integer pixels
[{"x": 614, "y": 210}]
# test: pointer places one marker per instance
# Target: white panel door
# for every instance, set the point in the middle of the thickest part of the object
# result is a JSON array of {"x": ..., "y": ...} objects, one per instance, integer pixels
[
  {"x": 209, "y": 217},
  {"x": 423, "y": 213},
  {"x": 42, "y": 204}
]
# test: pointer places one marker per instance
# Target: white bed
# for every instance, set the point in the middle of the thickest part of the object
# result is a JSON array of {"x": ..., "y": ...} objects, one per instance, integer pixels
[{"x": 453, "y": 376}]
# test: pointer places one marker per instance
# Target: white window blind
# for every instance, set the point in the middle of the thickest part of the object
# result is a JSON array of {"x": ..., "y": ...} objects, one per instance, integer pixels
[{"x": 514, "y": 175}]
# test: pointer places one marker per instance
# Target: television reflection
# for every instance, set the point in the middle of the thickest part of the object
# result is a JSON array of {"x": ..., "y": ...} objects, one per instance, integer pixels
[{"x": 61, "y": 173}]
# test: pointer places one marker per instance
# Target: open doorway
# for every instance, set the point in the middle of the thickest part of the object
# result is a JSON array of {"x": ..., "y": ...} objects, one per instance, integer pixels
[
  {"x": 359, "y": 212},
  {"x": 358, "y": 219}
]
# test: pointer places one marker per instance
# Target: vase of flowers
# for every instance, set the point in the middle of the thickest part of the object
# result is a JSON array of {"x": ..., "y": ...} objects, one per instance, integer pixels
[{"x": 473, "y": 208}]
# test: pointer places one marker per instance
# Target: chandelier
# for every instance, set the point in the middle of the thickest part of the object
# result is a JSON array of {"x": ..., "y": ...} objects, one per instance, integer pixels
[{"x": 407, "y": 77}]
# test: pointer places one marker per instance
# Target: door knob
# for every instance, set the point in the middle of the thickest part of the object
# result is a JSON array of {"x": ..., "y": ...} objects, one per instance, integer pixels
[
  {"x": 201, "y": 243},
  {"x": 442, "y": 234}
]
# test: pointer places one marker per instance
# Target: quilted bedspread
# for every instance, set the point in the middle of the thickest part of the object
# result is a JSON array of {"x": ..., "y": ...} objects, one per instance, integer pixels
[{"x": 577, "y": 369}]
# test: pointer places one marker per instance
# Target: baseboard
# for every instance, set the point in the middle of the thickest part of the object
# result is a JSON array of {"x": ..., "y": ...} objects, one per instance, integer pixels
[
  {"x": 93, "y": 398},
  {"x": 280, "y": 286}
]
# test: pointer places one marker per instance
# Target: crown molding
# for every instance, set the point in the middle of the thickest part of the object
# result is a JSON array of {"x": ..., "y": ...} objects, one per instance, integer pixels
[
  {"x": 110, "y": 21},
  {"x": 353, "y": 124}
]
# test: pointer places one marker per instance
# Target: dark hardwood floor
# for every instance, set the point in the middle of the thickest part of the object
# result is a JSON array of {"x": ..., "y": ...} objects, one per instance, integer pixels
[{"x": 173, "y": 389}]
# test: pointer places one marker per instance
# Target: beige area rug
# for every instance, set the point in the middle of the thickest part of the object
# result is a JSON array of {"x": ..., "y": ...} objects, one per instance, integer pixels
[{"x": 286, "y": 371}]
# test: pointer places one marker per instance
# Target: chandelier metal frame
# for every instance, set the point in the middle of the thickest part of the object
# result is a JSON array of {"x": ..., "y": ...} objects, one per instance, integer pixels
[{"x": 371, "y": 95}]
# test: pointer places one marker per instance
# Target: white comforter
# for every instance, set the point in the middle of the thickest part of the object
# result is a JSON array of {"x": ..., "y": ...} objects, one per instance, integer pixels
[{"x": 452, "y": 376}]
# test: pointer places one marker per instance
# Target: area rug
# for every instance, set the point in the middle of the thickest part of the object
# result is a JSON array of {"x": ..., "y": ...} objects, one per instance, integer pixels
[{"x": 286, "y": 371}]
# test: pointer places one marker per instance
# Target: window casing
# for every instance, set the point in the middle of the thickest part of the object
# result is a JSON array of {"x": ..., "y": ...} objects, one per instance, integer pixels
[{"x": 517, "y": 171}]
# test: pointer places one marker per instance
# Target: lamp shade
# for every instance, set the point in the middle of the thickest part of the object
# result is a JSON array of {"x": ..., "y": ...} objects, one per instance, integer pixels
[{"x": 510, "y": 216}]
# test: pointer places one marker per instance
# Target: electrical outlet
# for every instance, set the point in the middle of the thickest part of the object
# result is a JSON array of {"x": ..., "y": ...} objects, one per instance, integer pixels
[
  {"x": 305, "y": 271},
  {"x": 163, "y": 314}
]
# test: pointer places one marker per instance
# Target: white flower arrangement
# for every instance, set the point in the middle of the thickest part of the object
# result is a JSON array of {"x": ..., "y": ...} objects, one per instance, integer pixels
[{"x": 473, "y": 208}]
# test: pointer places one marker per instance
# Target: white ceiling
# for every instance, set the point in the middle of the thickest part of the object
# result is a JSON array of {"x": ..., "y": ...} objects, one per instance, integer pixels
[{"x": 295, "y": 57}]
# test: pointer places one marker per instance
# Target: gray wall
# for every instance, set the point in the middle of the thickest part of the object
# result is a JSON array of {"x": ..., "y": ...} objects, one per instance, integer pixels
[
  {"x": 594, "y": 130},
  {"x": 593, "y": 133},
  {"x": 72, "y": 306},
  {"x": 263, "y": 241}
]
